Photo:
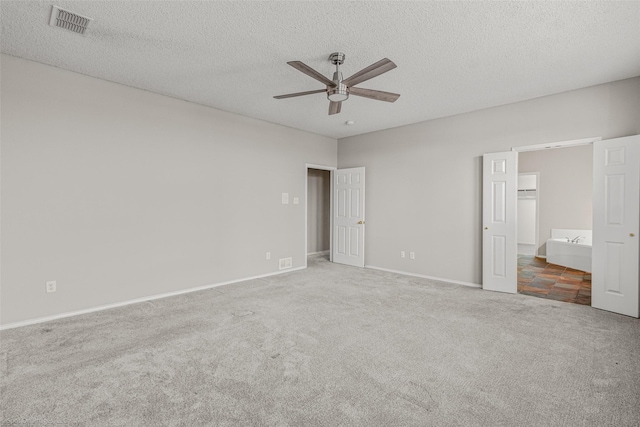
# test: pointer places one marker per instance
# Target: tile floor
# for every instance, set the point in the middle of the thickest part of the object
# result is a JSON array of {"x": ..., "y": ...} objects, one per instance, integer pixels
[{"x": 540, "y": 279}]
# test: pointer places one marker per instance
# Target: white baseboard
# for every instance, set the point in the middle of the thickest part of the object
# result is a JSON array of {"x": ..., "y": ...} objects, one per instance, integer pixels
[
  {"x": 439, "y": 279},
  {"x": 526, "y": 249},
  {"x": 318, "y": 253},
  {"x": 138, "y": 300}
]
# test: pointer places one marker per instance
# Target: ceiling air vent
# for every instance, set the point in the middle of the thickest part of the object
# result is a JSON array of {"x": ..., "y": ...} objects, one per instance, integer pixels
[{"x": 68, "y": 20}]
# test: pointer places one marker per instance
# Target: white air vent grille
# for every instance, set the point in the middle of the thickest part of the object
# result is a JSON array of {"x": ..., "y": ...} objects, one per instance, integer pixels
[
  {"x": 68, "y": 20},
  {"x": 285, "y": 263}
]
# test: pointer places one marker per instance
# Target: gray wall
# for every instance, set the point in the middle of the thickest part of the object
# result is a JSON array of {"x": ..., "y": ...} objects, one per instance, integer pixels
[
  {"x": 424, "y": 190},
  {"x": 565, "y": 188},
  {"x": 119, "y": 193},
  {"x": 318, "y": 215}
]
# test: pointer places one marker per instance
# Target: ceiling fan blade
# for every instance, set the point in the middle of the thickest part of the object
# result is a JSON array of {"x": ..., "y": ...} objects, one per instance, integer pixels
[
  {"x": 374, "y": 94},
  {"x": 291, "y": 95},
  {"x": 370, "y": 72},
  {"x": 301, "y": 66},
  {"x": 334, "y": 107}
]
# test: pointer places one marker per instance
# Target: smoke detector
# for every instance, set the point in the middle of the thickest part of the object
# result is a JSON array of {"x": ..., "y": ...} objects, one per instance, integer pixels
[{"x": 62, "y": 18}]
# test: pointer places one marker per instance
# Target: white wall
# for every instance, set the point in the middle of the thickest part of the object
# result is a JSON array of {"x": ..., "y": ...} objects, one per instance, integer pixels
[
  {"x": 424, "y": 181},
  {"x": 318, "y": 215},
  {"x": 566, "y": 187},
  {"x": 527, "y": 221},
  {"x": 119, "y": 193},
  {"x": 527, "y": 210}
]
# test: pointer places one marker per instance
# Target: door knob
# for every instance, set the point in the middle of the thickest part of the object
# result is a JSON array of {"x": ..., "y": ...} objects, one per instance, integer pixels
[
  {"x": 360, "y": 222},
  {"x": 486, "y": 228},
  {"x": 631, "y": 234}
]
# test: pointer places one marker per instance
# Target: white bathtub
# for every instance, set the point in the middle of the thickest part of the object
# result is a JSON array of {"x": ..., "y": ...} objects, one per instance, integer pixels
[{"x": 568, "y": 254}]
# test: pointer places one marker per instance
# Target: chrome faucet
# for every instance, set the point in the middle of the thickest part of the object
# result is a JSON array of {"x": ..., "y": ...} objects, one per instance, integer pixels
[{"x": 576, "y": 239}]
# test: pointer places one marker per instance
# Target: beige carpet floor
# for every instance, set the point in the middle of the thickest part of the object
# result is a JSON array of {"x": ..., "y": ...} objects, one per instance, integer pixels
[{"x": 327, "y": 346}]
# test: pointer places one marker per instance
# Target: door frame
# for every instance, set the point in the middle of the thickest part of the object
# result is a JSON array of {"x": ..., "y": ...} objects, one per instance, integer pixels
[
  {"x": 559, "y": 144},
  {"x": 331, "y": 170},
  {"x": 547, "y": 146}
]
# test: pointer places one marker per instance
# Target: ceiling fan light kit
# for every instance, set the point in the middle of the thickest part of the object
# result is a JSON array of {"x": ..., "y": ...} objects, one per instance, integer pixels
[
  {"x": 338, "y": 94},
  {"x": 339, "y": 89}
]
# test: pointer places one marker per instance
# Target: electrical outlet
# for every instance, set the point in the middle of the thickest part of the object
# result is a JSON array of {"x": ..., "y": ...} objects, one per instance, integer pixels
[
  {"x": 51, "y": 286},
  {"x": 412, "y": 255},
  {"x": 401, "y": 254},
  {"x": 285, "y": 198},
  {"x": 268, "y": 256},
  {"x": 296, "y": 201}
]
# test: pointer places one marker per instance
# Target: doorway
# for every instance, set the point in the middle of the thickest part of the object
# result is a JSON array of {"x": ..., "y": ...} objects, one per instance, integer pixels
[
  {"x": 555, "y": 201},
  {"x": 346, "y": 212},
  {"x": 318, "y": 211},
  {"x": 614, "y": 248}
]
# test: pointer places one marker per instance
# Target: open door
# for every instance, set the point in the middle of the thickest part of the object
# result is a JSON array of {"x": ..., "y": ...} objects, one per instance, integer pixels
[
  {"x": 499, "y": 222},
  {"x": 616, "y": 223},
  {"x": 348, "y": 217}
]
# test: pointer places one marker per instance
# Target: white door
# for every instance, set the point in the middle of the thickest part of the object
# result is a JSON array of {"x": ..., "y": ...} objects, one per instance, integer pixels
[
  {"x": 499, "y": 243},
  {"x": 616, "y": 221},
  {"x": 348, "y": 217}
]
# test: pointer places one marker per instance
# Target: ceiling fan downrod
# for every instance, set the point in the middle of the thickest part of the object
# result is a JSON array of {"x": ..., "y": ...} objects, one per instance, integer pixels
[{"x": 340, "y": 92}]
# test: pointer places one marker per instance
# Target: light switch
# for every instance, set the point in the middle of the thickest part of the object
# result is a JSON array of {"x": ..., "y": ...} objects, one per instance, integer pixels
[
  {"x": 285, "y": 198},
  {"x": 296, "y": 201}
]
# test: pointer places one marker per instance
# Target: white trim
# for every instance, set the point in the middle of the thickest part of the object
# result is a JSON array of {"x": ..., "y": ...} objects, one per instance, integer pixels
[
  {"x": 439, "y": 279},
  {"x": 321, "y": 167},
  {"x": 138, "y": 300},
  {"x": 332, "y": 176},
  {"x": 318, "y": 253},
  {"x": 331, "y": 169},
  {"x": 537, "y": 174},
  {"x": 560, "y": 144}
]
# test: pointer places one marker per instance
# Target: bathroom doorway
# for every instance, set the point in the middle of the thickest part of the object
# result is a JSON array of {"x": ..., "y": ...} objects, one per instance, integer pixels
[
  {"x": 555, "y": 201},
  {"x": 613, "y": 228}
]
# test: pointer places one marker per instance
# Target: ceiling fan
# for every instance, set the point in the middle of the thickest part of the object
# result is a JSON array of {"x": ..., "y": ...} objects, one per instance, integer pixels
[{"x": 339, "y": 89}]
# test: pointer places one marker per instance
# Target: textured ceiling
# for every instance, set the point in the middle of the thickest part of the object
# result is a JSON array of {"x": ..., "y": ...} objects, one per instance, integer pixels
[{"x": 452, "y": 57}]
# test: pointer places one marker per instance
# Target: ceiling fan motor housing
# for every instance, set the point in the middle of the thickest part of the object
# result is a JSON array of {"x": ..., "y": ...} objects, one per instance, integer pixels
[{"x": 340, "y": 92}]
